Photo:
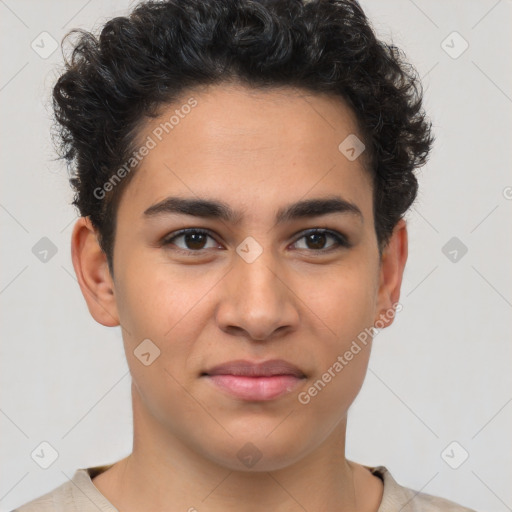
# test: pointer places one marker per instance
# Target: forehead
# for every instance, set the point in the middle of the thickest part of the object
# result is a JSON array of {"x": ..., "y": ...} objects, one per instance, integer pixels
[
  {"x": 249, "y": 147},
  {"x": 225, "y": 111}
]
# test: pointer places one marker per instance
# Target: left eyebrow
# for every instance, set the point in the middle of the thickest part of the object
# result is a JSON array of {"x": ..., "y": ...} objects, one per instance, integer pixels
[{"x": 206, "y": 208}]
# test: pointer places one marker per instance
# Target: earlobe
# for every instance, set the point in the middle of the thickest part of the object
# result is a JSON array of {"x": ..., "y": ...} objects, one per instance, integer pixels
[
  {"x": 93, "y": 275},
  {"x": 392, "y": 268}
]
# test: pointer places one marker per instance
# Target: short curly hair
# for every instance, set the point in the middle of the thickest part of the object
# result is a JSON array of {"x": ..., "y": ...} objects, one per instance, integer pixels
[{"x": 149, "y": 59}]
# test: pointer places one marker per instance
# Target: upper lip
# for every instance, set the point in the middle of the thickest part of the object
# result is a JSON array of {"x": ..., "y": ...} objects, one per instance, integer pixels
[{"x": 268, "y": 368}]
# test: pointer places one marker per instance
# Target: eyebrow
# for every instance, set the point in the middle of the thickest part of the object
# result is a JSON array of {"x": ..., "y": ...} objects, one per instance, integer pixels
[{"x": 213, "y": 209}]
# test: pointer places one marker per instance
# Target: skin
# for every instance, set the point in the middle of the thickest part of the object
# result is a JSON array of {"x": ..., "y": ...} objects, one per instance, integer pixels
[{"x": 257, "y": 151}]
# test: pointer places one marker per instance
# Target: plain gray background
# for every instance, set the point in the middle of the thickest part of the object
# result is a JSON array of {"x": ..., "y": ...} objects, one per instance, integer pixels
[{"x": 439, "y": 375}]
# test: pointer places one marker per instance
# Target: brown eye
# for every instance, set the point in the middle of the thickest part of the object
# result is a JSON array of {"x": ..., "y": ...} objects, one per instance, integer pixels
[
  {"x": 317, "y": 238},
  {"x": 195, "y": 240},
  {"x": 192, "y": 240}
]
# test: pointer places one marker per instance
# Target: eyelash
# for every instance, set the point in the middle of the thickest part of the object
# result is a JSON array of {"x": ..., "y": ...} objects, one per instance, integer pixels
[{"x": 341, "y": 240}]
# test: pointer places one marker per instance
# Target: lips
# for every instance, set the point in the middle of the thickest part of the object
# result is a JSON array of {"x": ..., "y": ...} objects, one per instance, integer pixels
[
  {"x": 269, "y": 368},
  {"x": 249, "y": 381}
]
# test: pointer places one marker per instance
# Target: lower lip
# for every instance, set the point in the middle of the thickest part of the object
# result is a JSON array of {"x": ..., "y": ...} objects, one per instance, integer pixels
[{"x": 255, "y": 388}]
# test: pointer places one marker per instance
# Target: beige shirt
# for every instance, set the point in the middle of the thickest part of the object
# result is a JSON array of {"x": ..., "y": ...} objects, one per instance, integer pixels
[{"x": 81, "y": 495}]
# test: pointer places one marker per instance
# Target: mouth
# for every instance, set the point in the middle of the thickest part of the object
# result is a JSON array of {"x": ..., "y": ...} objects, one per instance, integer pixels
[{"x": 250, "y": 381}]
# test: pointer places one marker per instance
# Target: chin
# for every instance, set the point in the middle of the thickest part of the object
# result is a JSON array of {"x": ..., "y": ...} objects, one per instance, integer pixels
[{"x": 258, "y": 453}]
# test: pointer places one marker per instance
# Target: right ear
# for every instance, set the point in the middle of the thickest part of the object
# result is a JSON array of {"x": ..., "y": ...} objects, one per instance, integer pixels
[{"x": 92, "y": 272}]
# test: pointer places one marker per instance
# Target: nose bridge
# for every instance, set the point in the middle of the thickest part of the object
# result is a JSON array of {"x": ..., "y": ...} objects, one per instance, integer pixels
[
  {"x": 257, "y": 270},
  {"x": 258, "y": 301}
]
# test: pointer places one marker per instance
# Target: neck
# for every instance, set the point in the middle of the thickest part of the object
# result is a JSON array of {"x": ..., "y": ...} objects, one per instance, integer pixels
[{"x": 164, "y": 474}]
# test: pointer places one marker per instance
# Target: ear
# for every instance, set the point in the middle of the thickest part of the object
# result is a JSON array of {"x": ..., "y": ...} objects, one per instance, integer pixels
[
  {"x": 392, "y": 264},
  {"x": 93, "y": 275}
]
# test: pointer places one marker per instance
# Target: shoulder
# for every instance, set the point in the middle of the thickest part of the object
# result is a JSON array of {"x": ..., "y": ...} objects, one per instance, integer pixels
[
  {"x": 76, "y": 495},
  {"x": 396, "y": 497},
  {"x": 50, "y": 501}
]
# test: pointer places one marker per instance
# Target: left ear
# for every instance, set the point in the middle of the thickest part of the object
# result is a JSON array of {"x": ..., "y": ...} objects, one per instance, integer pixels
[
  {"x": 92, "y": 273},
  {"x": 392, "y": 264}
]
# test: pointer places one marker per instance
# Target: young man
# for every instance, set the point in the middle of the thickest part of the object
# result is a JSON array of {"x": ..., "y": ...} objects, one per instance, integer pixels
[{"x": 242, "y": 169}]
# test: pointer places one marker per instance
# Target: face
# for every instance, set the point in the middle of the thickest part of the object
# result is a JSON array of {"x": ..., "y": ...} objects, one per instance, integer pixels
[{"x": 258, "y": 280}]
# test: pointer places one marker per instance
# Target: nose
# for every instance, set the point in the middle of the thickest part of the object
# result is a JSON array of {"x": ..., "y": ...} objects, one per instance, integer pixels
[{"x": 258, "y": 299}]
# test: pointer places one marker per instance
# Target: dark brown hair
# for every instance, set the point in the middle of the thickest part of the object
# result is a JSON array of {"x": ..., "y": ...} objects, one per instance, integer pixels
[{"x": 149, "y": 59}]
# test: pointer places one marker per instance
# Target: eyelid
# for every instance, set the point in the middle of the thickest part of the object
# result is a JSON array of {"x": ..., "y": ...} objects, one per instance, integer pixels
[
  {"x": 166, "y": 240},
  {"x": 341, "y": 240}
]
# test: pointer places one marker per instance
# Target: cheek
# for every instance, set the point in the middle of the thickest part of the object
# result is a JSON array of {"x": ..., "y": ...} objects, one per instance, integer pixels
[
  {"x": 155, "y": 300},
  {"x": 342, "y": 362},
  {"x": 346, "y": 308},
  {"x": 344, "y": 300},
  {"x": 157, "y": 306},
  {"x": 168, "y": 308}
]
